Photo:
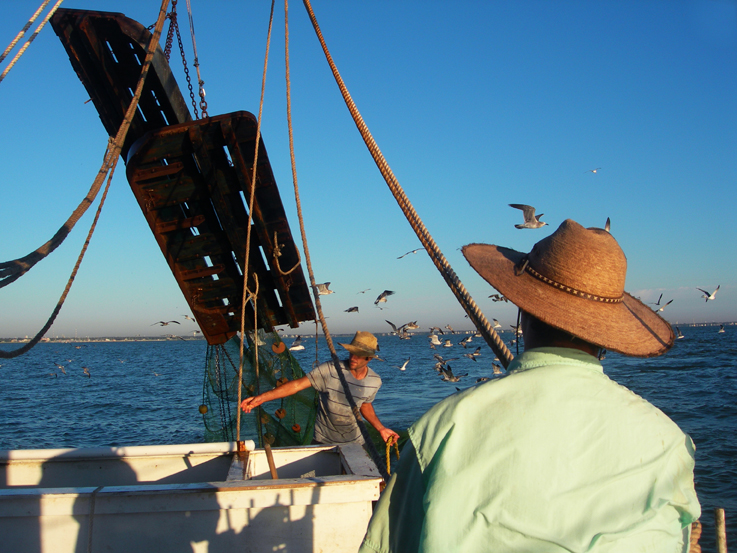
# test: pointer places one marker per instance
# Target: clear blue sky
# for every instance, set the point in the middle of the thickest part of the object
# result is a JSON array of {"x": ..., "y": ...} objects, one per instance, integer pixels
[{"x": 475, "y": 105}]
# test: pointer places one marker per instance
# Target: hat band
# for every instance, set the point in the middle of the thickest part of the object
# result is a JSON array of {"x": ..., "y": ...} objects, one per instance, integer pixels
[{"x": 524, "y": 266}]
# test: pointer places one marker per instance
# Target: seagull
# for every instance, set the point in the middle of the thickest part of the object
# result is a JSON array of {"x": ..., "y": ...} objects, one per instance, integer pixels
[
  {"x": 164, "y": 323},
  {"x": 363, "y": 291},
  {"x": 436, "y": 330},
  {"x": 297, "y": 344},
  {"x": 404, "y": 365},
  {"x": 447, "y": 344},
  {"x": 413, "y": 251},
  {"x": 721, "y": 328},
  {"x": 496, "y": 324},
  {"x": 382, "y": 297},
  {"x": 679, "y": 334},
  {"x": 450, "y": 328},
  {"x": 663, "y": 306},
  {"x": 61, "y": 368},
  {"x": 322, "y": 289},
  {"x": 434, "y": 340},
  {"x": 448, "y": 376},
  {"x": 497, "y": 368},
  {"x": 658, "y": 302},
  {"x": 87, "y": 372},
  {"x": 189, "y": 318},
  {"x": 498, "y": 297},
  {"x": 592, "y": 170},
  {"x": 531, "y": 220},
  {"x": 466, "y": 340},
  {"x": 352, "y": 309},
  {"x": 707, "y": 295}
]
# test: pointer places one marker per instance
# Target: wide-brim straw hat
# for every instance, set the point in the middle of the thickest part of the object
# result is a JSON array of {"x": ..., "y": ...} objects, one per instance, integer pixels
[
  {"x": 573, "y": 280},
  {"x": 364, "y": 344}
]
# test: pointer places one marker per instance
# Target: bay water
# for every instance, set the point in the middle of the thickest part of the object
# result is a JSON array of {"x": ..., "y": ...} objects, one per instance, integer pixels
[{"x": 149, "y": 392}]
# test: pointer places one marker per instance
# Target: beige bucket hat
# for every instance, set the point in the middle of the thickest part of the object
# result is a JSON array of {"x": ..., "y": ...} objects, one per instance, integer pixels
[
  {"x": 363, "y": 344},
  {"x": 574, "y": 280}
]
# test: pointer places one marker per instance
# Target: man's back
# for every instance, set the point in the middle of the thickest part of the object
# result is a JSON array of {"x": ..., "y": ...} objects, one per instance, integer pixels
[{"x": 553, "y": 457}]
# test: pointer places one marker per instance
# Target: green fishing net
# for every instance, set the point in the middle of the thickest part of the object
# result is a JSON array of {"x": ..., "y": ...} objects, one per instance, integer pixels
[{"x": 286, "y": 422}]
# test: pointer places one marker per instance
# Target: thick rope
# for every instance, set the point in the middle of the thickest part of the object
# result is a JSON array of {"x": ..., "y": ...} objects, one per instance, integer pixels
[
  {"x": 438, "y": 259},
  {"x": 248, "y": 236},
  {"x": 20, "y": 266},
  {"x": 28, "y": 42},
  {"x": 369, "y": 444},
  {"x": 27, "y": 26}
]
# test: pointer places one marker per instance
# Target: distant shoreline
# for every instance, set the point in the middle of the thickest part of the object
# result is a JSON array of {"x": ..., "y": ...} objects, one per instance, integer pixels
[{"x": 171, "y": 337}]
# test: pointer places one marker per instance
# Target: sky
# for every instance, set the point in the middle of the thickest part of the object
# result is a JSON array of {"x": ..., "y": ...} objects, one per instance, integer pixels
[{"x": 474, "y": 104}]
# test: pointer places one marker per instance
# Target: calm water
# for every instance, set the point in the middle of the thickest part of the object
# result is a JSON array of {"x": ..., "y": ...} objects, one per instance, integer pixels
[{"x": 149, "y": 393}]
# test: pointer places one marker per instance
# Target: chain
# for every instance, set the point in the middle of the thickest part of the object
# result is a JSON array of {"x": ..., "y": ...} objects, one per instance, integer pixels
[{"x": 172, "y": 16}]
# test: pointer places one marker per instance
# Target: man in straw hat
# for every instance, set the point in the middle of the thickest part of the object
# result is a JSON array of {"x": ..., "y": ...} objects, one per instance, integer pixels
[
  {"x": 554, "y": 456},
  {"x": 335, "y": 422}
]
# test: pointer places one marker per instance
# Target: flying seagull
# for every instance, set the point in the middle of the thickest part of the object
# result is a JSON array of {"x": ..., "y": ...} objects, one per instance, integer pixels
[
  {"x": 608, "y": 225},
  {"x": 531, "y": 220},
  {"x": 496, "y": 324},
  {"x": 721, "y": 328},
  {"x": 189, "y": 318},
  {"x": 413, "y": 251},
  {"x": 382, "y": 297},
  {"x": 707, "y": 295},
  {"x": 322, "y": 289},
  {"x": 664, "y": 306},
  {"x": 297, "y": 344},
  {"x": 352, "y": 309},
  {"x": 679, "y": 334},
  {"x": 592, "y": 170},
  {"x": 363, "y": 291},
  {"x": 164, "y": 323},
  {"x": 404, "y": 365},
  {"x": 658, "y": 302}
]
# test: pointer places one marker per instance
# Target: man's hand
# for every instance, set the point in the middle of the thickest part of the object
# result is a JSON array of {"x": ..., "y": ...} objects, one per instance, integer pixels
[
  {"x": 250, "y": 403},
  {"x": 389, "y": 436}
]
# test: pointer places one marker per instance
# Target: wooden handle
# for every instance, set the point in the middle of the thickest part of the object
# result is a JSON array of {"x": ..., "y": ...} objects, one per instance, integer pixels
[
  {"x": 721, "y": 530},
  {"x": 270, "y": 459}
]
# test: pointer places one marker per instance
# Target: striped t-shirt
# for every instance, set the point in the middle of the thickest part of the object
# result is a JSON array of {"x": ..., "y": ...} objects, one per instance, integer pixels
[{"x": 335, "y": 423}]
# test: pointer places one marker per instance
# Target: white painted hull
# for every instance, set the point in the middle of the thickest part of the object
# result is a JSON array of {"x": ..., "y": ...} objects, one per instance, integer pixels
[{"x": 185, "y": 498}]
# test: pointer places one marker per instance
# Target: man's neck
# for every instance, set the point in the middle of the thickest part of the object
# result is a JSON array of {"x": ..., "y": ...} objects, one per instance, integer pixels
[{"x": 360, "y": 374}]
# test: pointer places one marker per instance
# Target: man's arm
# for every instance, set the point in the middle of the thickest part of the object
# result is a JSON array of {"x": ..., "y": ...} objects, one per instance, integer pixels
[
  {"x": 288, "y": 389},
  {"x": 367, "y": 410}
]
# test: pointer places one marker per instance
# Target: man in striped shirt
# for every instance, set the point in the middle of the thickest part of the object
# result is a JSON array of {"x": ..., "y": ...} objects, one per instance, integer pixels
[{"x": 335, "y": 423}]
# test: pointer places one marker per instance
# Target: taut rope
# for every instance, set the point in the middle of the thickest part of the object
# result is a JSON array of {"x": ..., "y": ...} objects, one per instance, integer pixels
[
  {"x": 248, "y": 246},
  {"x": 31, "y": 39},
  {"x": 438, "y": 259},
  {"x": 369, "y": 444}
]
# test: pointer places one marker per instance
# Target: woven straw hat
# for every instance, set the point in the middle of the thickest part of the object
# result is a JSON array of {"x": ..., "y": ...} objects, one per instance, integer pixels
[
  {"x": 364, "y": 344},
  {"x": 574, "y": 280}
]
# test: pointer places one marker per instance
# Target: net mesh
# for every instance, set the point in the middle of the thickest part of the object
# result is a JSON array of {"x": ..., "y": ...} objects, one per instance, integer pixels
[{"x": 286, "y": 422}]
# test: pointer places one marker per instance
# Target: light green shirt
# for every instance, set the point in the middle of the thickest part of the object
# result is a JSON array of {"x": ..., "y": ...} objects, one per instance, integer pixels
[{"x": 554, "y": 457}]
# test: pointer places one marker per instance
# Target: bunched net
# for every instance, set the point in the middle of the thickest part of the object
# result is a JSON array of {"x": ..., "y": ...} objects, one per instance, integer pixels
[{"x": 286, "y": 422}]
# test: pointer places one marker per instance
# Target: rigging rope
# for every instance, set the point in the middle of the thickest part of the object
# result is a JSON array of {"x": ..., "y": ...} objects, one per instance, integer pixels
[
  {"x": 248, "y": 240},
  {"x": 196, "y": 63},
  {"x": 31, "y": 39},
  {"x": 438, "y": 259},
  {"x": 27, "y": 26},
  {"x": 12, "y": 270},
  {"x": 369, "y": 444}
]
